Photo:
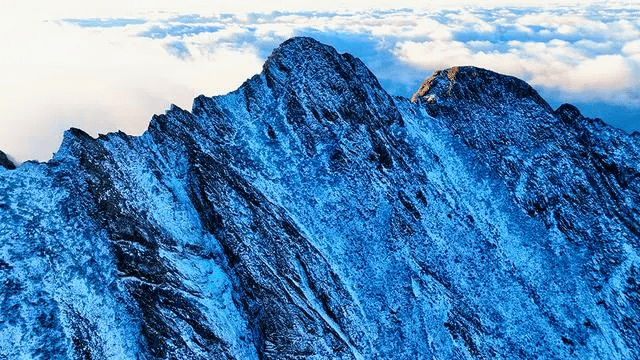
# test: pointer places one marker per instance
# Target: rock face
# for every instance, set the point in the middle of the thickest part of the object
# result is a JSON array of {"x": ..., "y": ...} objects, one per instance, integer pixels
[
  {"x": 309, "y": 214},
  {"x": 5, "y": 162}
]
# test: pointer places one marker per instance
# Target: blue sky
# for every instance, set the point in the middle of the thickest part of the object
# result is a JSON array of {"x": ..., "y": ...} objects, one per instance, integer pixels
[{"x": 104, "y": 67}]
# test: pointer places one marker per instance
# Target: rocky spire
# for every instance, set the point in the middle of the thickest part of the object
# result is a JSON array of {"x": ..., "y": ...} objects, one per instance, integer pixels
[{"x": 5, "y": 162}]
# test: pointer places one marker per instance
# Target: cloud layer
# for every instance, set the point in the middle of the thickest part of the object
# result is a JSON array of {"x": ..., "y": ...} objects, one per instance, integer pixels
[{"x": 103, "y": 70}]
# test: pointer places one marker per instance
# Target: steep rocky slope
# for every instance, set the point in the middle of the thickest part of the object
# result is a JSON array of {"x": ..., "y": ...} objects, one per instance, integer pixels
[
  {"x": 309, "y": 214},
  {"x": 5, "y": 162}
]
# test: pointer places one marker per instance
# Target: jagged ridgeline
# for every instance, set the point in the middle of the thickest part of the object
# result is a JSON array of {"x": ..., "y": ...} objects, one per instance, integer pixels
[{"x": 311, "y": 215}]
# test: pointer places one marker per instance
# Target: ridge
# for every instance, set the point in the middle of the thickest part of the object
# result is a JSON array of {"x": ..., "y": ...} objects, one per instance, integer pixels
[
  {"x": 316, "y": 73},
  {"x": 5, "y": 162}
]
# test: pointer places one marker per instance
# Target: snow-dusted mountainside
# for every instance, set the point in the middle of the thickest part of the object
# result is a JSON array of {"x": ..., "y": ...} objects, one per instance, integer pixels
[{"x": 311, "y": 215}]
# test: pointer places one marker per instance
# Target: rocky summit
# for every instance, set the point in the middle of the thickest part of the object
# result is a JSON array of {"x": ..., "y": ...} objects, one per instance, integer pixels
[{"x": 311, "y": 215}]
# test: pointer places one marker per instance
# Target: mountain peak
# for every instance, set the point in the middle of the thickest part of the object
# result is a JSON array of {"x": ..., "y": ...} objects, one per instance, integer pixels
[
  {"x": 568, "y": 113},
  {"x": 298, "y": 54},
  {"x": 311, "y": 77},
  {"x": 473, "y": 83},
  {"x": 301, "y": 43},
  {"x": 308, "y": 63},
  {"x": 5, "y": 162},
  {"x": 437, "y": 78},
  {"x": 299, "y": 48}
]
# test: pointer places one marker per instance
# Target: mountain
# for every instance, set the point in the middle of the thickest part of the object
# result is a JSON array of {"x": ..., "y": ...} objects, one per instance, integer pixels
[
  {"x": 5, "y": 162},
  {"x": 311, "y": 215}
]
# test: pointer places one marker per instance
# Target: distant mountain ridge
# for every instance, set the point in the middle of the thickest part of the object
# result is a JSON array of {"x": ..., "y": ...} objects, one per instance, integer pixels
[{"x": 309, "y": 214}]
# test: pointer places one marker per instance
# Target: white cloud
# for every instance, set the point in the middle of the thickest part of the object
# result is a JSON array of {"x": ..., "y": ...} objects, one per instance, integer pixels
[
  {"x": 562, "y": 23},
  {"x": 605, "y": 73},
  {"x": 632, "y": 48},
  {"x": 472, "y": 21},
  {"x": 122, "y": 8}
]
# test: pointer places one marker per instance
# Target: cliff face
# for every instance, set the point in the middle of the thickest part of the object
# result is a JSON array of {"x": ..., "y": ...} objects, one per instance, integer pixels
[
  {"x": 309, "y": 214},
  {"x": 5, "y": 162}
]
